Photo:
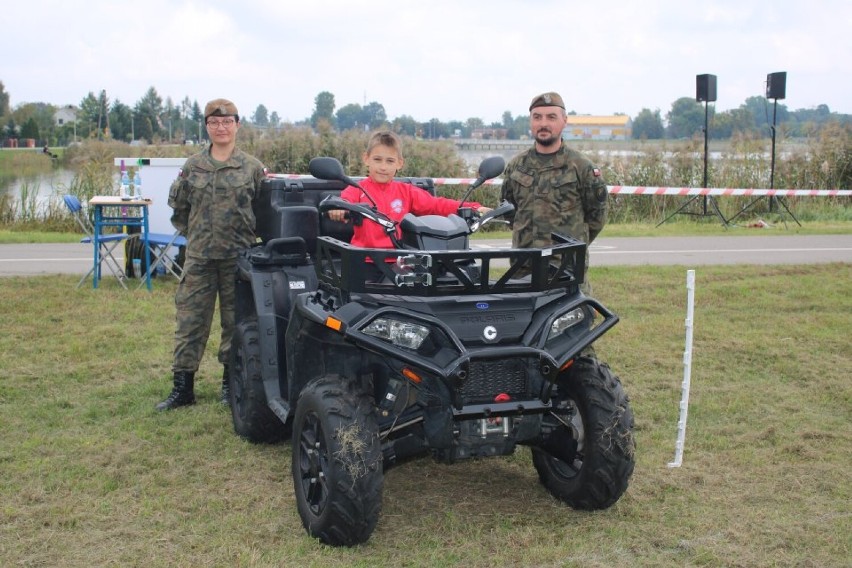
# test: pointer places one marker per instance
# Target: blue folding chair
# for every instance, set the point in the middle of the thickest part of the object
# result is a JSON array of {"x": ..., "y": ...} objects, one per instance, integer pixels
[
  {"x": 163, "y": 247},
  {"x": 108, "y": 242}
]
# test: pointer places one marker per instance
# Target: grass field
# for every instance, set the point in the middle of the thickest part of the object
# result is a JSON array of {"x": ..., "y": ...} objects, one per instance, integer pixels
[{"x": 90, "y": 475}]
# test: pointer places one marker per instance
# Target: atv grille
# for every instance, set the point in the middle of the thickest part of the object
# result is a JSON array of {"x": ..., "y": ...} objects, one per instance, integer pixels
[{"x": 487, "y": 379}]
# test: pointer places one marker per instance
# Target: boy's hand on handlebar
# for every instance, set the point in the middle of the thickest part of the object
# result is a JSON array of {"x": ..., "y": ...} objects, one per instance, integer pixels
[
  {"x": 484, "y": 210},
  {"x": 336, "y": 214}
]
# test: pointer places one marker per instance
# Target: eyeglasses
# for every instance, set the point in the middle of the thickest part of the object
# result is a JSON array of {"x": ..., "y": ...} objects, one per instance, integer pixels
[{"x": 227, "y": 123}]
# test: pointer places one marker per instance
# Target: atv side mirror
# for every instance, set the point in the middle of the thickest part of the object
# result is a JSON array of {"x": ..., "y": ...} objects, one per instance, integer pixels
[
  {"x": 491, "y": 167},
  {"x": 328, "y": 169},
  {"x": 331, "y": 169}
]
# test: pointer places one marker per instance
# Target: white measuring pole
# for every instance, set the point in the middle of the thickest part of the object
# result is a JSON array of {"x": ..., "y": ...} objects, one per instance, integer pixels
[{"x": 687, "y": 370}]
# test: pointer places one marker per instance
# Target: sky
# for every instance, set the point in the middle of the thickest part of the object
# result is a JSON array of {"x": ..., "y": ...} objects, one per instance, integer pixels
[{"x": 444, "y": 59}]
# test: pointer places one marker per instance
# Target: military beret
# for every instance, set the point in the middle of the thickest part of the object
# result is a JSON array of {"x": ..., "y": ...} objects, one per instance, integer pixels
[
  {"x": 220, "y": 107},
  {"x": 546, "y": 100}
]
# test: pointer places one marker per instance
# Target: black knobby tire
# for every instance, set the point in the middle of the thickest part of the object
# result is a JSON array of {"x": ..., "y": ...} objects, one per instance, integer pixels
[
  {"x": 599, "y": 443},
  {"x": 337, "y": 462},
  {"x": 252, "y": 417}
]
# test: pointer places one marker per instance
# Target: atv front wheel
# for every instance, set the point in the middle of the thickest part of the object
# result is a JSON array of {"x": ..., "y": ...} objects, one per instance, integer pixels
[
  {"x": 252, "y": 417},
  {"x": 587, "y": 462},
  {"x": 337, "y": 462}
]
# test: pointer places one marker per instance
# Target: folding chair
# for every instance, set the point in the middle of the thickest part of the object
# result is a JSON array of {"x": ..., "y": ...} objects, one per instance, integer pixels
[
  {"x": 107, "y": 242},
  {"x": 161, "y": 246}
]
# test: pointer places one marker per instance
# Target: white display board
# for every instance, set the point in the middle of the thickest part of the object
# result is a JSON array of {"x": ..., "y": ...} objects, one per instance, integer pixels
[{"x": 157, "y": 176}]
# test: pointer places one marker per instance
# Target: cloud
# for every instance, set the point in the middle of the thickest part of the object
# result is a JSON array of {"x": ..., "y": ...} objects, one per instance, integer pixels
[{"x": 441, "y": 59}]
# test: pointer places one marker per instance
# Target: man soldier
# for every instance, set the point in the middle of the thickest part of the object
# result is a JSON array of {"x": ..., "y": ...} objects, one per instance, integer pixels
[{"x": 553, "y": 188}]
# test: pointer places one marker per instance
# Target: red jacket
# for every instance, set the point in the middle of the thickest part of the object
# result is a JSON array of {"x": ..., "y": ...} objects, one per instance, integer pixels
[{"x": 395, "y": 199}]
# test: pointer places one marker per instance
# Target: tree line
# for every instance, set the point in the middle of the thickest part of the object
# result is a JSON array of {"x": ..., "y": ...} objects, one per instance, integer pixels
[
  {"x": 154, "y": 119},
  {"x": 754, "y": 117},
  {"x": 151, "y": 119}
]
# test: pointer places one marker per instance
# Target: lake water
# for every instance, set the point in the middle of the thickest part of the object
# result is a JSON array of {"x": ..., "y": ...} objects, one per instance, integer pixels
[{"x": 48, "y": 186}]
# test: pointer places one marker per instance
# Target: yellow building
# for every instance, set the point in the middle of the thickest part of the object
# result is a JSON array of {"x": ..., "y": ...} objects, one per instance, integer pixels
[{"x": 585, "y": 127}]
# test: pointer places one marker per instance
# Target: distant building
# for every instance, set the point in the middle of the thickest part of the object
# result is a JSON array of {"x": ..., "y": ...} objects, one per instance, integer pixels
[
  {"x": 489, "y": 133},
  {"x": 618, "y": 127},
  {"x": 65, "y": 114}
]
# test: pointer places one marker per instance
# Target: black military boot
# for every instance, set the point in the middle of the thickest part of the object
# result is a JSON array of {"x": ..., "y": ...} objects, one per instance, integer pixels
[
  {"x": 226, "y": 386},
  {"x": 182, "y": 393}
]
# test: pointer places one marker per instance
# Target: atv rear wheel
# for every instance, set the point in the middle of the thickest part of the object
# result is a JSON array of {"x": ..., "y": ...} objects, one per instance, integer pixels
[
  {"x": 337, "y": 462},
  {"x": 252, "y": 417},
  {"x": 595, "y": 448}
]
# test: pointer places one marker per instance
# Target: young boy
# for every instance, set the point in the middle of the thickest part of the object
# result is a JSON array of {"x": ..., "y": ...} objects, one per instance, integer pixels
[{"x": 383, "y": 159}]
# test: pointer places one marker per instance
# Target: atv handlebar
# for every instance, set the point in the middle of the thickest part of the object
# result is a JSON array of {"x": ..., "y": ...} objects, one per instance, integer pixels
[
  {"x": 476, "y": 223},
  {"x": 328, "y": 168},
  {"x": 371, "y": 213}
]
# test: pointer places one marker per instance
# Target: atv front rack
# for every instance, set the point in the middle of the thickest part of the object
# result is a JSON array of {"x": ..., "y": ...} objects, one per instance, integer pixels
[{"x": 340, "y": 266}]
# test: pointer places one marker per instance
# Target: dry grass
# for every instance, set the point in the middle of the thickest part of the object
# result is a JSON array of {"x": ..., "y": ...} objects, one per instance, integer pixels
[{"x": 92, "y": 476}]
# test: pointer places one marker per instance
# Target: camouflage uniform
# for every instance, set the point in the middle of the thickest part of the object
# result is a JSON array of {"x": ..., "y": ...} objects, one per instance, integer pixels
[
  {"x": 561, "y": 192},
  {"x": 212, "y": 204}
]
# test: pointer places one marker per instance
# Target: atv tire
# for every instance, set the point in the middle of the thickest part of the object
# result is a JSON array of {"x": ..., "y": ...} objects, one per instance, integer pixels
[
  {"x": 597, "y": 450},
  {"x": 337, "y": 462},
  {"x": 252, "y": 417}
]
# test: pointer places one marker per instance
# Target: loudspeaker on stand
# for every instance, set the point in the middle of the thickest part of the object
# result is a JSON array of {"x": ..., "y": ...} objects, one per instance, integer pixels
[
  {"x": 776, "y": 85},
  {"x": 705, "y": 88}
]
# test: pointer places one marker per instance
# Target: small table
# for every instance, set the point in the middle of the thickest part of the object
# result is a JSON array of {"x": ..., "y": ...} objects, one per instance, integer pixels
[{"x": 114, "y": 211}]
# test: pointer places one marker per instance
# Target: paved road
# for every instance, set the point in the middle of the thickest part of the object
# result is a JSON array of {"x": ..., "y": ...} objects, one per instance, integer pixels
[
  {"x": 73, "y": 258},
  {"x": 769, "y": 249}
]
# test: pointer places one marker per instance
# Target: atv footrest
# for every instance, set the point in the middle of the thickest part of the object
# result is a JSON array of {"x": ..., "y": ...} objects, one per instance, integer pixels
[
  {"x": 290, "y": 251},
  {"x": 280, "y": 407}
]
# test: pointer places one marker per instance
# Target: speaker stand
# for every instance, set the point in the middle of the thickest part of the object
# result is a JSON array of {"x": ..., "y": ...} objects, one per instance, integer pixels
[
  {"x": 772, "y": 198},
  {"x": 771, "y": 209},
  {"x": 707, "y": 198},
  {"x": 704, "y": 212}
]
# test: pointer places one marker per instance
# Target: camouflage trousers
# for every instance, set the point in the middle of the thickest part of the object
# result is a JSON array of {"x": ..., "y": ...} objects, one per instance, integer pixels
[{"x": 195, "y": 303}]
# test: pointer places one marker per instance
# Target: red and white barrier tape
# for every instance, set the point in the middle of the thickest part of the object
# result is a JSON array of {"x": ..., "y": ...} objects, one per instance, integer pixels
[
  {"x": 464, "y": 181},
  {"x": 436, "y": 181},
  {"x": 632, "y": 190},
  {"x": 639, "y": 190}
]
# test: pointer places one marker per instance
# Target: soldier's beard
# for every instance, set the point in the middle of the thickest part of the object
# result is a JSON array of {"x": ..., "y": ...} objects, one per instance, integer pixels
[{"x": 547, "y": 142}]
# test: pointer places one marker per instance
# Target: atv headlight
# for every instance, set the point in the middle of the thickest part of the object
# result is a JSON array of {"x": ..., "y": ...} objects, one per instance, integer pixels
[
  {"x": 400, "y": 333},
  {"x": 565, "y": 321}
]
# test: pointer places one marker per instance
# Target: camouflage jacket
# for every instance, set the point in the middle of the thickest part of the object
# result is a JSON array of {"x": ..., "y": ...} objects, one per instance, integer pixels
[
  {"x": 213, "y": 203},
  {"x": 561, "y": 192}
]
